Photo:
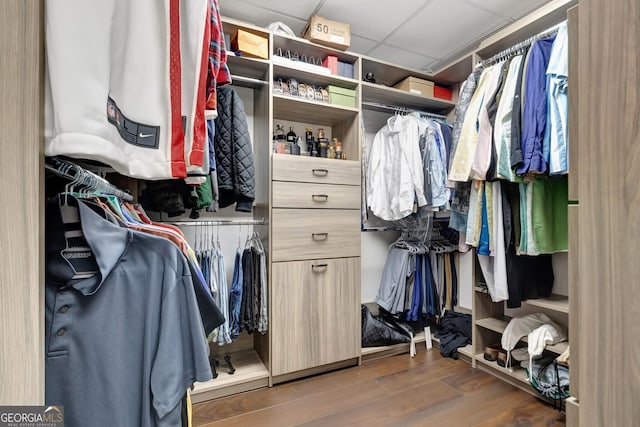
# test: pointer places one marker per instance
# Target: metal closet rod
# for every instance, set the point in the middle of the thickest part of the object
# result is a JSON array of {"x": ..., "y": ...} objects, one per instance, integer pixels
[
  {"x": 84, "y": 179},
  {"x": 196, "y": 223},
  {"x": 375, "y": 105},
  {"x": 248, "y": 80},
  {"x": 507, "y": 53}
]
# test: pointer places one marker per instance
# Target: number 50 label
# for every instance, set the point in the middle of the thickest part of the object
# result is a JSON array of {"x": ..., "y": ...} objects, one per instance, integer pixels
[{"x": 322, "y": 28}]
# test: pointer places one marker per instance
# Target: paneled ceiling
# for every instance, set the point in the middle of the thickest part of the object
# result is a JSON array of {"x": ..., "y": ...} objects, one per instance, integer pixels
[{"x": 420, "y": 34}]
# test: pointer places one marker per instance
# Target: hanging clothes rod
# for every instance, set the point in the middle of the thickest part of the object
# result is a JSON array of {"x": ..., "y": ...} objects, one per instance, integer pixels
[
  {"x": 384, "y": 107},
  {"x": 217, "y": 222},
  {"x": 249, "y": 80},
  {"x": 511, "y": 51},
  {"x": 84, "y": 179}
]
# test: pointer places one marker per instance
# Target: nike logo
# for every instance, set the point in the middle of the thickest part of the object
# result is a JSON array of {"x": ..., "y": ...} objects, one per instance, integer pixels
[{"x": 145, "y": 135}]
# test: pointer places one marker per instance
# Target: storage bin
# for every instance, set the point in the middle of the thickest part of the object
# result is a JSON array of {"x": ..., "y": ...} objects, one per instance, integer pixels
[
  {"x": 341, "y": 96},
  {"x": 416, "y": 86},
  {"x": 442, "y": 93},
  {"x": 250, "y": 44}
]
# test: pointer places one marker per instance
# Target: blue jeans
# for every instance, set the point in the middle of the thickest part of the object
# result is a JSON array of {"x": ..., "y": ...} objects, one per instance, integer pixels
[{"x": 235, "y": 297}]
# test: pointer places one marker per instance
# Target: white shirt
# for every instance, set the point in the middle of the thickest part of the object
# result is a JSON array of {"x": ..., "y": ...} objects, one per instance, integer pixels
[
  {"x": 116, "y": 89},
  {"x": 395, "y": 179}
]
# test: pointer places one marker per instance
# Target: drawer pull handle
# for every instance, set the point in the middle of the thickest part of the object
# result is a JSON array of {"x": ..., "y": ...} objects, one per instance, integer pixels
[
  {"x": 320, "y": 197},
  {"x": 320, "y": 236},
  {"x": 317, "y": 268},
  {"x": 320, "y": 172}
]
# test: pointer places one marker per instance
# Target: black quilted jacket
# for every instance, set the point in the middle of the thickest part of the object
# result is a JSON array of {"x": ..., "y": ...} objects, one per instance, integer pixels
[{"x": 234, "y": 158}]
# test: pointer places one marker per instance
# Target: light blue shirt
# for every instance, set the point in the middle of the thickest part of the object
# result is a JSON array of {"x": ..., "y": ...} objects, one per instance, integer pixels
[{"x": 556, "y": 141}]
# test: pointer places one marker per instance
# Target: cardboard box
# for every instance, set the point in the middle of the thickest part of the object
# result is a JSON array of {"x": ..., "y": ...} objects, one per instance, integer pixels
[
  {"x": 341, "y": 96},
  {"x": 250, "y": 44},
  {"x": 416, "y": 86},
  {"x": 329, "y": 33},
  {"x": 442, "y": 93}
]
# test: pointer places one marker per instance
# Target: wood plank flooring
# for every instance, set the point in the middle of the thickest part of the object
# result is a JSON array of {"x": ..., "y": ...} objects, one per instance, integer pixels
[{"x": 428, "y": 390}]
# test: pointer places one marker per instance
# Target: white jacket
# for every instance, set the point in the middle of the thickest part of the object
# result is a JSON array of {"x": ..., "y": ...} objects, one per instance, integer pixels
[{"x": 395, "y": 178}]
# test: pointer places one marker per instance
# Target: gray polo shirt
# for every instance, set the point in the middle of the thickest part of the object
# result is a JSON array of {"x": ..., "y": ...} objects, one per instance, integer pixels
[{"x": 123, "y": 346}]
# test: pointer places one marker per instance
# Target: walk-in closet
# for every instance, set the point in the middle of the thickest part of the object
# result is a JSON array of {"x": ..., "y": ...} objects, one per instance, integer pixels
[{"x": 241, "y": 213}]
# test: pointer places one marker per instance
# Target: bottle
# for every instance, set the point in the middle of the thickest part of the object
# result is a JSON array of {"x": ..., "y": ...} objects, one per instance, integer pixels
[
  {"x": 281, "y": 139},
  {"x": 274, "y": 143},
  {"x": 308, "y": 137},
  {"x": 338, "y": 147},
  {"x": 324, "y": 149},
  {"x": 279, "y": 132},
  {"x": 295, "y": 147},
  {"x": 331, "y": 153},
  {"x": 291, "y": 135},
  {"x": 323, "y": 144}
]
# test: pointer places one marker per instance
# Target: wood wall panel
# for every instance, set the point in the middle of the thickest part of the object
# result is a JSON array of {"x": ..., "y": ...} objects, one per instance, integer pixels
[
  {"x": 609, "y": 225},
  {"x": 574, "y": 298},
  {"x": 573, "y": 17},
  {"x": 21, "y": 219}
]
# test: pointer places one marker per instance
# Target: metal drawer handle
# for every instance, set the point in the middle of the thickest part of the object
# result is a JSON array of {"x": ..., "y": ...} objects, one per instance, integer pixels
[
  {"x": 320, "y": 172},
  {"x": 317, "y": 268},
  {"x": 320, "y": 236},
  {"x": 320, "y": 197}
]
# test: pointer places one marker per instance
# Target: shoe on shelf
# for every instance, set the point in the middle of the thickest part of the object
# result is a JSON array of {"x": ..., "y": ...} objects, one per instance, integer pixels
[
  {"x": 502, "y": 359},
  {"x": 491, "y": 352}
]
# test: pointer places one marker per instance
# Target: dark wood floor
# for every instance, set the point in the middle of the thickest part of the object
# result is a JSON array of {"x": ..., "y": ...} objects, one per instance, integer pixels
[{"x": 428, "y": 390}]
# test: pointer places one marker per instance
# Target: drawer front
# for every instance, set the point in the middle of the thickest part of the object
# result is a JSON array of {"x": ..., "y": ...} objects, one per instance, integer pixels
[
  {"x": 322, "y": 196},
  {"x": 314, "y": 233},
  {"x": 318, "y": 317},
  {"x": 314, "y": 169}
]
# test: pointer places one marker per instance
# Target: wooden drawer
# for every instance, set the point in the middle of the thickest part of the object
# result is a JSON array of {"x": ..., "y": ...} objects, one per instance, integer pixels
[
  {"x": 310, "y": 234},
  {"x": 318, "y": 318},
  {"x": 315, "y": 169},
  {"x": 322, "y": 196}
]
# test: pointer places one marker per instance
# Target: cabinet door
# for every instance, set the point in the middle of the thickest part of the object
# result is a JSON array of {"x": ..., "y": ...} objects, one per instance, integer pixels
[{"x": 315, "y": 313}]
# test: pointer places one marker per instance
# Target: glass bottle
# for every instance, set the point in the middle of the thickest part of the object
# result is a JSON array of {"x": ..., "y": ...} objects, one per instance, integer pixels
[
  {"x": 308, "y": 137},
  {"x": 291, "y": 135}
]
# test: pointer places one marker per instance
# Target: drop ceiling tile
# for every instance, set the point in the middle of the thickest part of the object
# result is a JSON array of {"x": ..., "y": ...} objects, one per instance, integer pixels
[
  {"x": 512, "y": 9},
  {"x": 400, "y": 57},
  {"x": 443, "y": 27},
  {"x": 258, "y": 15},
  {"x": 361, "y": 44},
  {"x": 301, "y": 9},
  {"x": 368, "y": 21}
]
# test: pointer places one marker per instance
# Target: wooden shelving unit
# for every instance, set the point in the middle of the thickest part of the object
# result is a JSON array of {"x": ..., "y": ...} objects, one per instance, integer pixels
[
  {"x": 248, "y": 67},
  {"x": 323, "y": 113},
  {"x": 285, "y": 72},
  {"x": 558, "y": 303},
  {"x": 390, "y": 96},
  {"x": 250, "y": 374},
  {"x": 499, "y": 325},
  {"x": 305, "y": 47}
]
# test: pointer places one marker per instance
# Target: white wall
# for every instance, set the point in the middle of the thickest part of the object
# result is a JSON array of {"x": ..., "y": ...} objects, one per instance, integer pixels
[{"x": 375, "y": 247}]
